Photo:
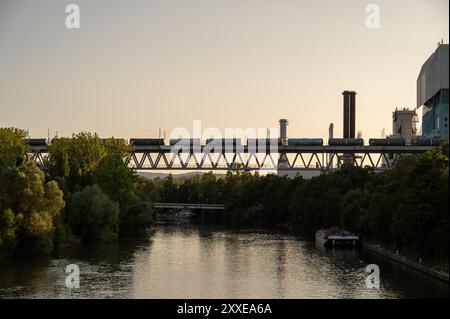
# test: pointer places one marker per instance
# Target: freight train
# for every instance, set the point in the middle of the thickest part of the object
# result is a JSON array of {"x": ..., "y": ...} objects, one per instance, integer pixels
[{"x": 254, "y": 142}]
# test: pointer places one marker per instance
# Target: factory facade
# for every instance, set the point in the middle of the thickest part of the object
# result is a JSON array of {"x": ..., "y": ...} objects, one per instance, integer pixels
[
  {"x": 432, "y": 94},
  {"x": 404, "y": 124}
]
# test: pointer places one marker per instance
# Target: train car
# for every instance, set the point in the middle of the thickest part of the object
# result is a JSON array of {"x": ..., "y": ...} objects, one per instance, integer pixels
[
  {"x": 346, "y": 142},
  {"x": 223, "y": 142},
  {"x": 146, "y": 141},
  {"x": 185, "y": 142},
  {"x": 36, "y": 141},
  {"x": 387, "y": 141},
  {"x": 421, "y": 141},
  {"x": 305, "y": 142},
  {"x": 263, "y": 141}
]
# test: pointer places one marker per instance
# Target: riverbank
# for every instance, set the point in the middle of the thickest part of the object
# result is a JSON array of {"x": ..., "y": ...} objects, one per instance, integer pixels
[{"x": 405, "y": 261}]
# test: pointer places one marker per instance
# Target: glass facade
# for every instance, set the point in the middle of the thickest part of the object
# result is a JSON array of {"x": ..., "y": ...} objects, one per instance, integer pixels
[{"x": 435, "y": 116}]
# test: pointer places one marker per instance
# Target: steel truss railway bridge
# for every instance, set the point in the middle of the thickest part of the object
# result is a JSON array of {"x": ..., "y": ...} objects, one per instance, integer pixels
[{"x": 285, "y": 158}]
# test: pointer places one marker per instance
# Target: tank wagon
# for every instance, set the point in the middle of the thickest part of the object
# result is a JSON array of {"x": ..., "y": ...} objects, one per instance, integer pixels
[
  {"x": 427, "y": 141},
  {"x": 263, "y": 141},
  {"x": 346, "y": 142},
  {"x": 147, "y": 141},
  {"x": 228, "y": 144},
  {"x": 305, "y": 142},
  {"x": 185, "y": 142},
  {"x": 387, "y": 141},
  {"x": 224, "y": 142},
  {"x": 36, "y": 141}
]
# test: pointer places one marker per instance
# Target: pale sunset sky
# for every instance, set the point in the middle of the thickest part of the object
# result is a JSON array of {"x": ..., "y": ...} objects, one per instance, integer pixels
[{"x": 136, "y": 66}]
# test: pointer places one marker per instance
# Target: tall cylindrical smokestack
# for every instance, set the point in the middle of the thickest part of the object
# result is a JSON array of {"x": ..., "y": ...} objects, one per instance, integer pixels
[
  {"x": 349, "y": 113},
  {"x": 283, "y": 131}
]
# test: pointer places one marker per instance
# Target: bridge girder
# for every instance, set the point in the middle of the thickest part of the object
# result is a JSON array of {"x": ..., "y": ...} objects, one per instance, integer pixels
[{"x": 316, "y": 158}]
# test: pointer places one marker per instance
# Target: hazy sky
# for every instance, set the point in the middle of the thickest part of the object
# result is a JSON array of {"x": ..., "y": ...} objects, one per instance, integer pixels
[{"x": 136, "y": 66}]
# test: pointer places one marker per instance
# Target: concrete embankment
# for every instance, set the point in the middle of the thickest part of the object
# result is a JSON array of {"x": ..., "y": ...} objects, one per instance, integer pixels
[{"x": 434, "y": 273}]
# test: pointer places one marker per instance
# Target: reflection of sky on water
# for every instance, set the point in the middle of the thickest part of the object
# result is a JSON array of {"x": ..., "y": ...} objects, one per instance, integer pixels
[{"x": 189, "y": 262}]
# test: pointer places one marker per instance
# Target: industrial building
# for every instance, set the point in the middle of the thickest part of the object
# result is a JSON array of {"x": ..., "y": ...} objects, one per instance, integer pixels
[
  {"x": 432, "y": 94},
  {"x": 404, "y": 124}
]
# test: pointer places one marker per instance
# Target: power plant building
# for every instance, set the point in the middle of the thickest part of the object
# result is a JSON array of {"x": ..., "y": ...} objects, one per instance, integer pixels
[
  {"x": 432, "y": 94},
  {"x": 404, "y": 124}
]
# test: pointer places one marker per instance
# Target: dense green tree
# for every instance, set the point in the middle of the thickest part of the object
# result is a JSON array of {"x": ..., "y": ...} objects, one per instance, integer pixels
[
  {"x": 137, "y": 218},
  {"x": 29, "y": 207},
  {"x": 116, "y": 180},
  {"x": 92, "y": 215},
  {"x": 354, "y": 210},
  {"x": 58, "y": 165},
  {"x": 169, "y": 190},
  {"x": 76, "y": 158},
  {"x": 12, "y": 146},
  {"x": 148, "y": 190},
  {"x": 209, "y": 191},
  {"x": 8, "y": 237}
]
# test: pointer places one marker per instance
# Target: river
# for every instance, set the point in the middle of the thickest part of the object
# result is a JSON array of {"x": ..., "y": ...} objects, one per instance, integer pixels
[{"x": 183, "y": 260}]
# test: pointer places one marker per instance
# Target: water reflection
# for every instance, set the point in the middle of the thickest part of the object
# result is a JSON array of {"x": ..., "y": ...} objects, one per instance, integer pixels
[{"x": 188, "y": 261}]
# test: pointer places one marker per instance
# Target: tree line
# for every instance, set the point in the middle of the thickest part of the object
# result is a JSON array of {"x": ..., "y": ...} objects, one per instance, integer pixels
[{"x": 85, "y": 193}]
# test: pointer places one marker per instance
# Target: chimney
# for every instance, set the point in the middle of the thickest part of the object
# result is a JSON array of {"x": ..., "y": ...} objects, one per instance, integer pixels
[
  {"x": 349, "y": 114},
  {"x": 283, "y": 131},
  {"x": 331, "y": 131}
]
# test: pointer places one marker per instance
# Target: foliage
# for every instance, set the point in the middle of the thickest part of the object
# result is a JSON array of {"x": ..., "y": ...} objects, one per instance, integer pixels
[
  {"x": 12, "y": 147},
  {"x": 76, "y": 158},
  {"x": 115, "y": 179},
  {"x": 137, "y": 218},
  {"x": 28, "y": 208},
  {"x": 85, "y": 160},
  {"x": 93, "y": 215},
  {"x": 90, "y": 193}
]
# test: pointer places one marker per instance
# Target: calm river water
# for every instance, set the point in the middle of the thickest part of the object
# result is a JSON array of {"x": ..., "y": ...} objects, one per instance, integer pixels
[{"x": 191, "y": 261}]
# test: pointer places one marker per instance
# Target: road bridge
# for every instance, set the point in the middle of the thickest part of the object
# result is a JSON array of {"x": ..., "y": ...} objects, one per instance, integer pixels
[{"x": 189, "y": 206}]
